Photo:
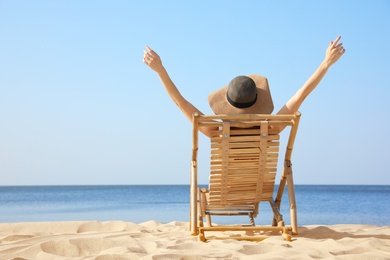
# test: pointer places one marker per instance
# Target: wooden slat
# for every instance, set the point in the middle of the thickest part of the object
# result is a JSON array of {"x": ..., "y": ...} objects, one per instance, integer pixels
[{"x": 242, "y": 166}]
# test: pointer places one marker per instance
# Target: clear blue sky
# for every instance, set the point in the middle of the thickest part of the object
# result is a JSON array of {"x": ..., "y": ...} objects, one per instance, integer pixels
[{"x": 78, "y": 106}]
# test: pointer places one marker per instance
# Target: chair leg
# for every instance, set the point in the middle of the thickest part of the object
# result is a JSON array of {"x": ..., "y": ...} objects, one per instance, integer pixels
[
  {"x": 278, "y": 218},
  {"x": 194, "y": 200},
  {"x": 291, "y": 196},
  {"x": 208, "y": 220},
  {"x": 200, "y": 209},
  {"x": 251, "y": 219},
  {"x": 286, "y": 234},
  {"x": 203, "y": 202},
  {"x": 201, "y": 236}
]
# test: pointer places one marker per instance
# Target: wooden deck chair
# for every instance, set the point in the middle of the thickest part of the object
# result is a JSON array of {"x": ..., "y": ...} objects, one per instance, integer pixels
[{"x": 243, "y": 166}]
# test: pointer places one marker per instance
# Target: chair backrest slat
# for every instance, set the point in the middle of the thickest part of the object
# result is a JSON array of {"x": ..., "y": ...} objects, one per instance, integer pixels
[
  {"x": 244, "y": 157},
  {"x": 243, "y": 164}
]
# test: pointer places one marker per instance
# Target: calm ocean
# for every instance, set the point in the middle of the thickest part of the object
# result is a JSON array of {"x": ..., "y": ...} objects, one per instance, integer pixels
[{"x": 316, "y": 204}]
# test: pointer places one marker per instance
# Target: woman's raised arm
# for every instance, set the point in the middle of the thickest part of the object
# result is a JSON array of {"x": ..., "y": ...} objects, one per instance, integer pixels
[
  {"x": 153, "y": 60},
  {"x": 334, "y": 51}
]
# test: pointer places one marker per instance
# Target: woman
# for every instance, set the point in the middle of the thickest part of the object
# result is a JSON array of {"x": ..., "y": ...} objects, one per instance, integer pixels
[{"x": 244, "y": 94}]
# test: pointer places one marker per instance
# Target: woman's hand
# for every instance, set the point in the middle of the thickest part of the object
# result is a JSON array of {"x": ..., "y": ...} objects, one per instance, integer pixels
[
  {"x": 334, "y": 52},
  {"x": 152, "y": 59}
]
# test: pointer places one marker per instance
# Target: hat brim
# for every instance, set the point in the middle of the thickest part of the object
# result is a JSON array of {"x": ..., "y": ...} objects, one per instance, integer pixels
[{"x": 264, "y": 105}]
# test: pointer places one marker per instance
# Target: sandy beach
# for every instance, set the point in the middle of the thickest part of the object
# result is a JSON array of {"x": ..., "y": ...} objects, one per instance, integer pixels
[{"x": 153, "y": 240}]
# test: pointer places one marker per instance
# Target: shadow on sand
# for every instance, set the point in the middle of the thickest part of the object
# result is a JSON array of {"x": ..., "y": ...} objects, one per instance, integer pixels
[{"x": 323, "y": 232}]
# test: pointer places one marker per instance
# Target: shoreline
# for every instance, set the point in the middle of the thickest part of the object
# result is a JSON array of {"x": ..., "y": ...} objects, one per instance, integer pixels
[{"x": 154, "y": 240}]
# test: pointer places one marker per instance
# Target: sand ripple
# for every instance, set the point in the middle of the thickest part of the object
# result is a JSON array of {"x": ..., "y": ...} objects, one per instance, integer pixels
[{"x": 117, "y": 240}]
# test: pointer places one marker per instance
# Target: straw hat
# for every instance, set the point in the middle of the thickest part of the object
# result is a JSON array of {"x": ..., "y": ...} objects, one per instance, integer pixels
[{"x": 244, "y": 95}]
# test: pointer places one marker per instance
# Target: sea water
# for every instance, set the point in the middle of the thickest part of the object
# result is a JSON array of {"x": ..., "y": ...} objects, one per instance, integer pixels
[{"x": 316, "y": 204}]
